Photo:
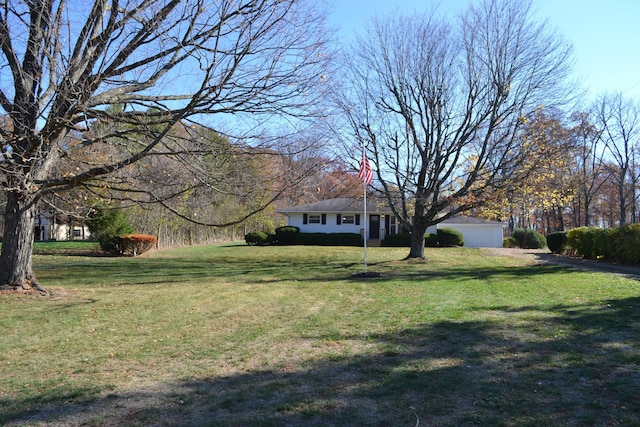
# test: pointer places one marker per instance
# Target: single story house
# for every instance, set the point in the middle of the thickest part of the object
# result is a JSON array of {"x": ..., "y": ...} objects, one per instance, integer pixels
[{"x": 346, "y": 215}]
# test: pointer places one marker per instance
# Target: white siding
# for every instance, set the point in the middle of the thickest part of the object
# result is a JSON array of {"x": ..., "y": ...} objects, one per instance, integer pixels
[{"x": 296, "y": 219}]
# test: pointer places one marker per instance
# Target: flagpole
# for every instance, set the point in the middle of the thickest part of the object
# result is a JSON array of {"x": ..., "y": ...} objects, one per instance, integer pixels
[
  {"x": 364, "y": 187},
  {"x": 366, "y": 175},
  {"x": 366, "y": 222}
]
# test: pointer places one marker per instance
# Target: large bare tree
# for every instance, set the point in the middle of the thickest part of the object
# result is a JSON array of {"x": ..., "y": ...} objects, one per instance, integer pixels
[
  {"x": 439, "y": 104},
  {"x": 140, "y": 67}
]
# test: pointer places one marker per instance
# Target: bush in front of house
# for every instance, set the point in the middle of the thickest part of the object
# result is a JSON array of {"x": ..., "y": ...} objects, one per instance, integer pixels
[
  {"x": 529, "y": 238},
  {"x": 448, "y": 237},
  {"x": 287, "y": 235},
  {"x": 557, "y": 242},
  {"x": 431, "y": 240},
  {"x": 329, "y": 239},
  {"x": 256, "y": 238},
  {"x": 397, "y": 240}
]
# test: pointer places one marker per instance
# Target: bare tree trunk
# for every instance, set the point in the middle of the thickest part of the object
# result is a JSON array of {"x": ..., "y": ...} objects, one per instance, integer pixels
[
  {"x": 418, "y": 229},
  {"x": 17, "y": 245},
  {"x": 417, "y": 246}
]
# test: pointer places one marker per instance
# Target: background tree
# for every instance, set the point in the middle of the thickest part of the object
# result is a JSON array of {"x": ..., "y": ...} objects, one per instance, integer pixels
[
  {"x": 439, "y": 104},
  {"x": 619, "y": 120},
  {"x": 540, "y": 199},
  {"x": 65, "y": 64},
  {"x": 589, "y": 172}
]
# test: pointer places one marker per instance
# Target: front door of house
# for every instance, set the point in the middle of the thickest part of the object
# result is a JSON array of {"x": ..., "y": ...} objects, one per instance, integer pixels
[{"x": 374, "y": 227}]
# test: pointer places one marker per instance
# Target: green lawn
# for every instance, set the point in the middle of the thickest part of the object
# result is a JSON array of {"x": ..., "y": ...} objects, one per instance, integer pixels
[{"x": 232, "y": 335}]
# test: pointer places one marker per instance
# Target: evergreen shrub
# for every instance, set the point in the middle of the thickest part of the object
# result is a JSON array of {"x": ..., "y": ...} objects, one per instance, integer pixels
[
  {"x": 557, "y": 242},
  {"x": 287, "y": 235},
  {"x": 529, "y": 238},
  {"x": 594, "y": 242},
  {"x": 256, "y": 238},
  {"x": 509, "y": 242},
  {"x": 397, "y": 240},
  {"x": 448, "y": 237},
  {"x": 625, "y": 244},
  {"x": 431, "y": 240},
  {"x": 329, "y": 239},
  {"x": 106, "y": 224}
]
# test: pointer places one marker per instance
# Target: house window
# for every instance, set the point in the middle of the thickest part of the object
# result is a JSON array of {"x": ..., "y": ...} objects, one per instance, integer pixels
[
  {"x": 348, "y": 219},
  {"x": 393, "y": 224},
  {"x": 314, "y": 219}
]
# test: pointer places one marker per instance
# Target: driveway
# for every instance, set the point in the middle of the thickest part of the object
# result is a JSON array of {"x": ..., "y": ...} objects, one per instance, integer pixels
[{"x": 543, "y": 256}]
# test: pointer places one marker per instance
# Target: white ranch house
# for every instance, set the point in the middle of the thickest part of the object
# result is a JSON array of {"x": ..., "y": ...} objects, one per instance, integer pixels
[{"x": 346, "y": 215}]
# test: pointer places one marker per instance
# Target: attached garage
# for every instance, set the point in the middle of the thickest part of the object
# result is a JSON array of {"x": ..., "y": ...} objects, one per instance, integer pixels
[{"x": 477, "y": 232}]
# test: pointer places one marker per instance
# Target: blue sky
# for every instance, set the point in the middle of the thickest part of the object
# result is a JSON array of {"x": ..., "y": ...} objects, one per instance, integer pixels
[{"x": 605, "y": 34}]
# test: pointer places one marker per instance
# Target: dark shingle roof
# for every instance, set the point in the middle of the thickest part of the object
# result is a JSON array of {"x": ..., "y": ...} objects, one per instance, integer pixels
[{"x": 469, "y": 220}]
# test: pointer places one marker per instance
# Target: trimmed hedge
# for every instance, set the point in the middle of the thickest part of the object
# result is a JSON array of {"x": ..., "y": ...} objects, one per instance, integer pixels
[
  {"x": 431, "y": 240},
  {"x": 137, "y": 244},
  {"x": 287, "y": 235},
  {"x": 625, "y": 245},
  {"x": 592, "y": 242},
  {"x": 557, "y": 242},
  {"x": 129, "y": 245},
  {"x": 329, "y": 239},
  {"x": 256, "y": 238},
  {"x": 529, "y": 239},
  {"x": 620, "y": 244},
  {"x": 397, "y": 240},
  {"x": 448, "y": 237}
]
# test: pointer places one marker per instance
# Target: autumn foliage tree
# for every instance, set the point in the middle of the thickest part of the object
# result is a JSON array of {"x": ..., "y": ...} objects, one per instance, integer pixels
[{"x": 102, "y": 84}]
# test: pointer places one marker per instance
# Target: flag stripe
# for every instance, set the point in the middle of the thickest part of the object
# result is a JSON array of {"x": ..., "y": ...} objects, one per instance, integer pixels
[{"x": 365, "y": 174}]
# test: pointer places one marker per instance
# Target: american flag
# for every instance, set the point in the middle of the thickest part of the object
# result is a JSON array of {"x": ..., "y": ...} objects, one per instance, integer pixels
[{"x": 366, "y": 174}]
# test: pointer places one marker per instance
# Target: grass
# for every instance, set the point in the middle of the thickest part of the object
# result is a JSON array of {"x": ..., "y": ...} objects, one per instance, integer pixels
[{"x": 232, "y": 335}]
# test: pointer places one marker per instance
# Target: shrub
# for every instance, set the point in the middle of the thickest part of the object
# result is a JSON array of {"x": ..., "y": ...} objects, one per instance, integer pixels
[
  {"x": 105, "y": 222},
  {"x": 329, "y": 239},
  {"x": 557, "y": 242},
  {"x": 592, "y": 242},
  {"x": 448, "y": 237},
  {"x": 256, "y": 238},
  {"x": 529, "y": 239},
  {"x": 431, "y": 240},
  {"x": 576, "y": 239},
  {"x": 625, "y": 244},
  {"x": 130, "y": 244},
  {"x": 397, "y": 240},
  {"x": 287, "y": 235},
  {"x": 106, "y": 225},
  {"x": 509, "y": 242},
  {"x": 136, "y": 244}
]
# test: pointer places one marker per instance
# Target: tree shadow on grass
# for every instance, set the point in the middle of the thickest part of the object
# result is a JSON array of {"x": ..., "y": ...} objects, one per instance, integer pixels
[
  {"x": 153, "y": 271},
  {"x": 567, "y": 365}
]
